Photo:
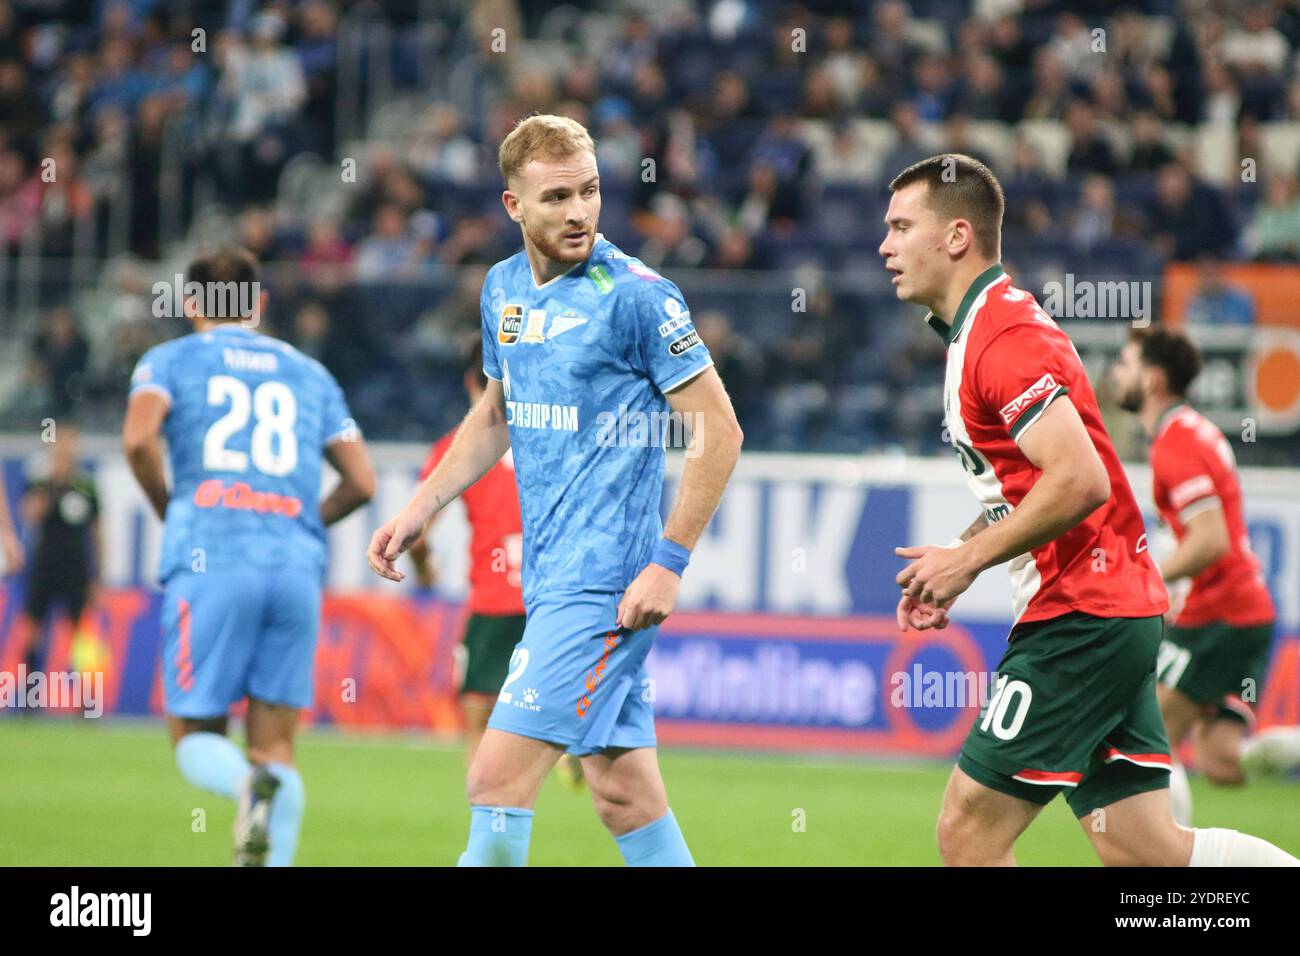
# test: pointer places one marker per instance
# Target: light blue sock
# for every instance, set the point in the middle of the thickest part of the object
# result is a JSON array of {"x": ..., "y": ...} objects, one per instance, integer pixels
[
  {"x": 287, "y": 807},
  {"x": 656, "y": 844},
  {"x": 211, "y": 762},
  {"x": 498, "y": 836}
]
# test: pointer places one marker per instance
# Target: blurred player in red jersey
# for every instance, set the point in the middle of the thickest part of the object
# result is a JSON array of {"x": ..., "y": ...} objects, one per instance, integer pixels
[
  {"x": 1074, "y": 709},
  {"x": 496, "y": 601},
  {"x": 1215, "y": 657}
]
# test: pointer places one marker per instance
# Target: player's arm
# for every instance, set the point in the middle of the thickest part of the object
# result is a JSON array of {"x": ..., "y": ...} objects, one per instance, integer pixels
[
  {"x": 1072, "y": 485},
  {"x": 480, "y": 442},
  {"x": 1205, "y": 540},
  {"x": 13, "y": 549},
  {"x": 422, "y": 558},
  {"x": 142, "y": 445},
  {"x": 715, "y": 445},
  {"x": 356, "y": 486}
]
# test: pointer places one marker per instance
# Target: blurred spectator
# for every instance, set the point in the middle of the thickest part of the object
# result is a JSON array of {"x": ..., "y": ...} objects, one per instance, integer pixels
[
  {"x": 908, "y": 147},
  {"x": 1094, "y": 218},
  {"x": 1217, "y": 302},
  {"x": 441, "y": 151},
  {"x": 739, "y": 363},
  {"x": 1188, "y": 220},
  {"x": 1150, "y": 151},
  {"x": 63, "y": 352},
  {"x": 392, "y": 250},
  {"x": 1274, "y": 230},
  {"x": 1090, "y": 151}
]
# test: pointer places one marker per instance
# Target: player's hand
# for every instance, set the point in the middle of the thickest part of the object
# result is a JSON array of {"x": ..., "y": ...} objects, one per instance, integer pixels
[
  {"x": 920, "y": 617},
  {"x": 936, "y": 576},
  {"x": 648, "y": 599},
  {"x": 390, "y": 542}
]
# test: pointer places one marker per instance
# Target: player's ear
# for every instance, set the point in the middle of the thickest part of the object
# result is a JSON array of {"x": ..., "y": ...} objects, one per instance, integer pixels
[
  {"x": 960, "y": 236},
  {"x": 511, "y": 201}
]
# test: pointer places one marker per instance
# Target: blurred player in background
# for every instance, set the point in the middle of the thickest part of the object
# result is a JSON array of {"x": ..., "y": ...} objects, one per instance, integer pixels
[
  {"x": 1075, "y": 706},
  {"x": 247, "y": 420},
  {"x": 576, "y": 337},
  {"x": 496, "y": 598},
  {"x": 1215, "y": 657},
  {"x": 62, "y": 506}
]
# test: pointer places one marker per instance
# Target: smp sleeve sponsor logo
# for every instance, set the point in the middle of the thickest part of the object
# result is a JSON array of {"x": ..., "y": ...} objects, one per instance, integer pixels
[
  {"x": 510, "y": 324},
  {"x": 684, "y": 344},
  {"x": 673, "y": 324},
  {"x": 1013, "y": 409}
]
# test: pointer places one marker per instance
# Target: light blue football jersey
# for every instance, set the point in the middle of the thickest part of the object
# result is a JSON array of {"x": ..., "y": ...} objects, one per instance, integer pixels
[
  {"x": 249, "y": 420},
  {"x": 585, "y": 360}
]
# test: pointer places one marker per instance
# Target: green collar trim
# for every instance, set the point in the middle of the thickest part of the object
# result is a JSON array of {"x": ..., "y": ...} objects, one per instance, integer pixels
[{"x": 984, "y": 279}]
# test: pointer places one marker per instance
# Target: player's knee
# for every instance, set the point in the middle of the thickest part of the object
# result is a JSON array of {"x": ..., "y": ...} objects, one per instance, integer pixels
[
  {"x": 957, "y": 837},
  {"x": 1222, "y": 771}
]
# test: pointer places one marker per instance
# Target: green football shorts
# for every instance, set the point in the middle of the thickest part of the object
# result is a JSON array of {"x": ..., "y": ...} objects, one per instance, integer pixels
[
  {"x": 489, "y": 641},
  {"x": 1074, "y": 709},
  {"x": 1218, "y": 664}
]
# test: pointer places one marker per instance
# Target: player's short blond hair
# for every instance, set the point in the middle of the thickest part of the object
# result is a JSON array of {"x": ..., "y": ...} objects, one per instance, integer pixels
[{"x": 541, "y": 136}]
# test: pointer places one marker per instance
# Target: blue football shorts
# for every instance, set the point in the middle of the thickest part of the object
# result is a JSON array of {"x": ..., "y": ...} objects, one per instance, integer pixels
[
  {"x": 230, "y": 634},
  {"x": 576, "y": 679}
]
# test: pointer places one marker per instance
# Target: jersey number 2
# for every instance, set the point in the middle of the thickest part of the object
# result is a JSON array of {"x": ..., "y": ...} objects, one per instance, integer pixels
[{"x": 273, "y": 445}]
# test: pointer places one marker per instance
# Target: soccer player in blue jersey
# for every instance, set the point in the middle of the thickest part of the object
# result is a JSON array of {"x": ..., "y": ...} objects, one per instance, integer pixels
[
  {"x": 586, "y": 350},
  {"x": 248, "y": 420}
]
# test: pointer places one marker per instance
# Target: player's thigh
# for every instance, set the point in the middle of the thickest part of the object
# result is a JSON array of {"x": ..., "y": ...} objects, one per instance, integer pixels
[
  {"x": 270, "y": 729},
  {"x": 209, "y": 621},
  {"x": 626, "y": 786},
  {"x": 1138, "y": 830},
  {"x": 178, "y": 727},
  {"x": 1218, "y": 750},
  {"x": 281, "y": 668},
  {"x": 509, "y": 768},
  {"x": 979, "y": 824}
]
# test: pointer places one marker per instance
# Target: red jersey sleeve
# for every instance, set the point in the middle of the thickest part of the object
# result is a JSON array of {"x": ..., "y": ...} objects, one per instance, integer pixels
[
  {"x": 1022, "y": 370},
  {"x": 1181, "y": 477},
  {"x": 435, "y": 454}
]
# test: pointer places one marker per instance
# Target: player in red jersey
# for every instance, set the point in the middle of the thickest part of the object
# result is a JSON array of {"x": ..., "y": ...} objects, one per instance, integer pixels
[
  {"x": 496, "y": 601},
  {"x": 1074, "y": 708},
  {"x": 1215, "y": 656}
]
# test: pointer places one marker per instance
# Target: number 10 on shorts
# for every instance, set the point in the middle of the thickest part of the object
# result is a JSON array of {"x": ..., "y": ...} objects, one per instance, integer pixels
[{"x": 1005, "y": 694}]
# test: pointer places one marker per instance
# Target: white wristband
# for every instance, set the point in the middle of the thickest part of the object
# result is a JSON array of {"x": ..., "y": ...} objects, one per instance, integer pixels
[{"x": 956, "y": 543}]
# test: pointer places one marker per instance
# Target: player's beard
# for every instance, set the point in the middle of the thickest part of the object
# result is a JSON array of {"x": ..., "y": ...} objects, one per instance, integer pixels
[
  {"x": 555, "y": 251},
  {"x": 1130, "y": 399}
]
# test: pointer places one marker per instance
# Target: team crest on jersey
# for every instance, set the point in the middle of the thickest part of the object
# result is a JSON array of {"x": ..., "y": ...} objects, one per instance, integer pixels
[
  {"x": 1012, "y": 410},
  {"x": 568, "y": 319},
  {"x": 512, "y": 321},
  {"x": 535, "y": 331}
]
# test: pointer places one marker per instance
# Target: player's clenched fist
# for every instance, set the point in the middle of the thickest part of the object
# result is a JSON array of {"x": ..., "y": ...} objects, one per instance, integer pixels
[
  {"x": 648, "y": 599},
  {"x": 390, "y": 542}
]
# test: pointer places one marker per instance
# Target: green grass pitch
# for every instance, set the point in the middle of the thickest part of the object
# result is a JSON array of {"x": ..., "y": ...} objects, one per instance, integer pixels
[{"x": 95, "y": 793}]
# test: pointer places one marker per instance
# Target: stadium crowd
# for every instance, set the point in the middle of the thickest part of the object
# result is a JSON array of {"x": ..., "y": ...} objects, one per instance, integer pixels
[{"x": 735, "y": 135}]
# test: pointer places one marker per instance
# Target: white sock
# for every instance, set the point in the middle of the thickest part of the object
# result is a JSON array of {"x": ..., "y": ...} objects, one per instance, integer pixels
[
  {"x": 1275, "y": 750},
  {"x": 1180, "y": 794},
  {"x": 1219, "y": 847}
]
